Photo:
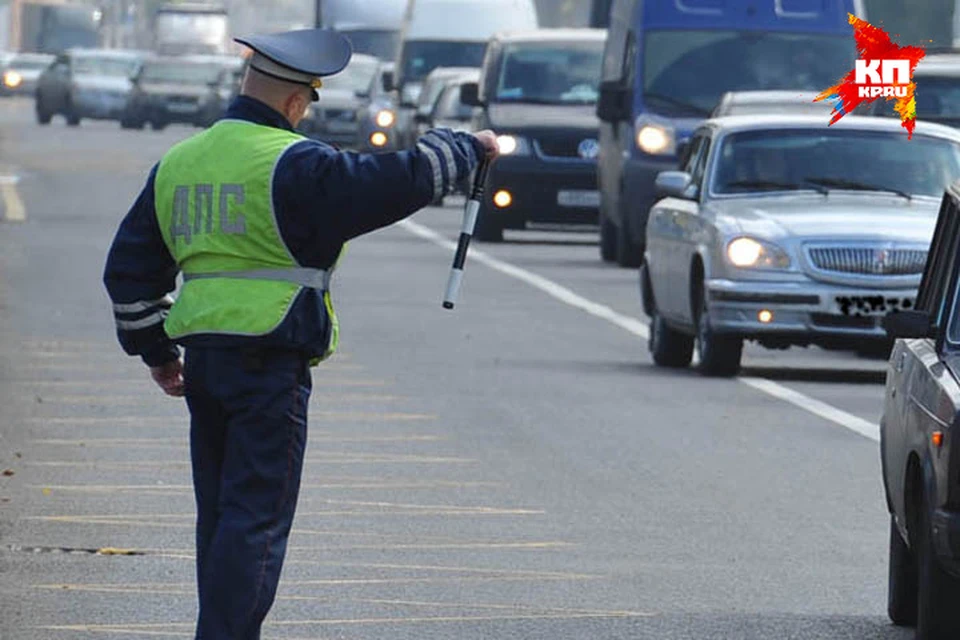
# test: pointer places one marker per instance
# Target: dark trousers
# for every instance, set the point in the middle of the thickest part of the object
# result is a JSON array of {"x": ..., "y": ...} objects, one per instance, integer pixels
[{"x": 248, "y": 432}]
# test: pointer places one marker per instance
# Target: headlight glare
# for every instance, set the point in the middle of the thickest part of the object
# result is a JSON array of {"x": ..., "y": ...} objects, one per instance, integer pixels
[
  {"x": 513, "y": 146},
  {"x": 656, "y": 140},
  {"x": 385, "y": 118},
  {"x": 12, "y": 79},
  {"x": 747, "y": 253}
]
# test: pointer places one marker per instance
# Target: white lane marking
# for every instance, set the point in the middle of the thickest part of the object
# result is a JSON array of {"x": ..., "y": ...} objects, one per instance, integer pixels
[
  {"x": 15, "y": 211},
  {"x": 826, "y": 411},
  {"x": 639, "y": 328}
]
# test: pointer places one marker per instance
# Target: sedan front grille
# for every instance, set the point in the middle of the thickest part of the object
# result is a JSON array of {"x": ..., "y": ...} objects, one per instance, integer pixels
[{"x": 869, "y": 261}]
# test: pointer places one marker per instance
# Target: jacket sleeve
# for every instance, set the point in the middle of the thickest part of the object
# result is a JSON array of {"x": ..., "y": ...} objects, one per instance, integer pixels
[
  {"x": 355, "y": 193},
  {"x": 140, "y": 275}
]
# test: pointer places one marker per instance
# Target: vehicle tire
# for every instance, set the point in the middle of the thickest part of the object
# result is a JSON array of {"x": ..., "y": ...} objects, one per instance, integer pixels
[
  {"x": 629, "y": 255},
  {"x": 489, "y": 228},
  {"x": 608, "y": 239},
  {"x": 669, "y": 347},
  {"x": 938, "y": 592},
  {"x": 719, "y": 354},
  {"x": 43, "y": 116},
  {"x": 902, "y": 581},
  {"x": 158, "y": 126},
  {"x": 73, "y": 119}
]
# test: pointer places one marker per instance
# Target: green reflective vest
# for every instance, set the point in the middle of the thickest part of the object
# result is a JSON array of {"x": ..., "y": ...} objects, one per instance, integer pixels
[{"x": 214, "y": 203}]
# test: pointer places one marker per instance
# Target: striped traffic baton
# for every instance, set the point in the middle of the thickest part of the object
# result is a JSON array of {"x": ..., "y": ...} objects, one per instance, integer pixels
[{"x": 466, "y": 234}]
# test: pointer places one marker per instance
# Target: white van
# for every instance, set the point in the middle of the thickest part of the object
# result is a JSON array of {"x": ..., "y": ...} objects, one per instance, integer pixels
[
  {"x": 452, "y": 33},
  {"x": 373, "y": 26}
]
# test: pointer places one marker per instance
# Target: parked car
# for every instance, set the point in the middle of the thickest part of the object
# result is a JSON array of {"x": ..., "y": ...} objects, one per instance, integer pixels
[
  {"x": 87, "y": 83},
  {"x": 448, "y": 110},
  {"x": 919, "y": 445},
  {"x": 334, "y": 119},
  {"x": 178, "y": 90},
  {"x": 939, "y": 100},
  {"x": 783, "y": 231},
  {"x": 433, "y": 85},
  {"x": 538, "y": 90},
  {"x": 378, "y": 117},
  {"x": 666, "y": 66},
  {"x": 21, "y": 71}
]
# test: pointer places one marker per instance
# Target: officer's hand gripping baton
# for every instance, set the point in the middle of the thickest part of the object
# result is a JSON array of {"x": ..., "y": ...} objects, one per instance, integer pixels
[{"x": 466, "y": 233}]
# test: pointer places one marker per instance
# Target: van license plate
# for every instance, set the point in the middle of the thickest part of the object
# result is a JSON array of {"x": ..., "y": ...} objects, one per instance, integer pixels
[{"x": 581, "y": 198}]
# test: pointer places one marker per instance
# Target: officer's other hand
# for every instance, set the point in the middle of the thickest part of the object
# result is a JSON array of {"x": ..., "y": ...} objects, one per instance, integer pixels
[
  {"x": 489, "y": 141},
  {"x": 169, "y": 377}
]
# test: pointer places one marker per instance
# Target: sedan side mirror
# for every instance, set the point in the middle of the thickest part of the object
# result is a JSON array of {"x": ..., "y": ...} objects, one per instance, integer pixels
[
  {"x": 422, "y": 118},
  {"x": 470, "y": 94},
  {"x": 909, "y": 324},
  {"x": 388, "y": 82},
  {"x": 675, "y": 184},
  {"x": 614, "y": 103}
]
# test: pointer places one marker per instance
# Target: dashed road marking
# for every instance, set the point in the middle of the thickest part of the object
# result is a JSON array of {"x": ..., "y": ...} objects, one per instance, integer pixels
[
  {"x": 639, "y": 328},
  {"x": 15, "y": 211}
]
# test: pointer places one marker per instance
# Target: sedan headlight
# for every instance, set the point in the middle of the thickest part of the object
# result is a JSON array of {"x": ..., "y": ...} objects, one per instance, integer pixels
[
  {"x": 748, "y": 253},
  {"x": 12, "y": 79},
  {"x": 385, "y": 118},
  {"x": 656, "y": 139},
  {"x": 513, "y": 146}
]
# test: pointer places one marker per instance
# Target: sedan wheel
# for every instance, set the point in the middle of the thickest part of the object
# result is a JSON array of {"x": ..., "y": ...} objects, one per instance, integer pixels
[
  {"x": 669, "y": 347},
  {"x": 938, "y": 592},
  {"x": 719, "y": 355},
  {"x": 902, "y": 581}
]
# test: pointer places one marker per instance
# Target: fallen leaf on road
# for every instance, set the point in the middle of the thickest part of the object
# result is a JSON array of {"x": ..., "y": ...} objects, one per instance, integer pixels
[
  {"x": 46, "y": 491},
  {"x": 111, "y": 551},
  {"x": 8, "y": 472}
]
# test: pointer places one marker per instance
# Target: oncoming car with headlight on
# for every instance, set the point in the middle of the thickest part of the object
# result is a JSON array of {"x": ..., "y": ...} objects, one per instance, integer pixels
[
  {"x": 783, "y": 231},
  {"x": 21, "y": 72},
  {"x": 538, "y": 89}
]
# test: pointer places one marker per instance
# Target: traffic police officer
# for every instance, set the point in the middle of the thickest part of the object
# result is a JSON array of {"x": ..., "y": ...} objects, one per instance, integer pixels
[{"x": 255, "y": 217}]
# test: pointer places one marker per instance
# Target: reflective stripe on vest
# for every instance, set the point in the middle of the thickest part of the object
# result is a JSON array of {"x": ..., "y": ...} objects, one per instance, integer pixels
[
  {"x": 215, "y": 208},
  {"x": 309, "y": 278}
]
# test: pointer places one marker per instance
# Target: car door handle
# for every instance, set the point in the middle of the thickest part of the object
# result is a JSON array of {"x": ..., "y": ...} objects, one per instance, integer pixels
[{"x": 901, "y": 361}]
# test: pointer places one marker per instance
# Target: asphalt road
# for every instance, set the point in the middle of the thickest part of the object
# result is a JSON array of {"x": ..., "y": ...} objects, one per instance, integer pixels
[{"x": 514, "y": 469}]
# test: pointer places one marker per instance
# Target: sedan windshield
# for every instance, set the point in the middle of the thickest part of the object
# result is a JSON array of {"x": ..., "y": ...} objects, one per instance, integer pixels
[
  {"x": 835, "y": 159},
  {"x": 92, "y": 65},
  {"x": 686, "y": 72},
  {"x": 180, "y": 73},
  {"x": 422, "y": 57},
  {"x": 551, "y": 73},
  {"x": 937, "y": 101}
]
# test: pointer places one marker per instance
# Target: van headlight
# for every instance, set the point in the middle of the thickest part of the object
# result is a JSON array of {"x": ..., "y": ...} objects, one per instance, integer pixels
[
  {"x": 748, "y": 253},
  {"x": 513, "y": 146},
  {"x": 656, "y": 139}
]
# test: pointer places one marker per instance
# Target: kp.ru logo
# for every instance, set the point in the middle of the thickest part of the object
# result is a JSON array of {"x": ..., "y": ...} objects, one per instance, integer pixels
[
  {"x": 884, "y": 70},
  {"x": 892, "y": 83}
]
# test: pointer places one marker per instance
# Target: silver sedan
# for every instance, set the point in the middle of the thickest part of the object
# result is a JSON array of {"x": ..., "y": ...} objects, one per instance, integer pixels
[{"x": 781, "y": 230}]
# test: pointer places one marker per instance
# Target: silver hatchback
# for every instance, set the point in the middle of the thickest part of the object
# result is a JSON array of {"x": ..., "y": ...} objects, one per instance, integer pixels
[{"x": 784, "y": 231}]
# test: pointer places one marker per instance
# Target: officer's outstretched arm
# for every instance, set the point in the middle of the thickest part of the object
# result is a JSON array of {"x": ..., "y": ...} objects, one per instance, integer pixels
[
  {"x": 355, "y": 193},
  {"x": 139, "y": 276}
]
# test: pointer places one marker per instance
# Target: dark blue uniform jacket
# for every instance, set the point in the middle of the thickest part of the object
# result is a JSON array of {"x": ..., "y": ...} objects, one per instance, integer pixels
[{"x": 322, "y": 198}]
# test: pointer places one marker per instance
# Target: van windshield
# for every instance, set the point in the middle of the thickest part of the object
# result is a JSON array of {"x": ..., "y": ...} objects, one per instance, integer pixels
[
  {"x": 422, "y": 57},
  {"x": 686, "y": 72},
  {"x": 551, "y": 73}
]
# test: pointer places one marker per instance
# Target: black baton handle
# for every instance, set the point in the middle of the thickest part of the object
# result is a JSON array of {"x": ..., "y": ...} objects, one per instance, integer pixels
[{"x": 470, "y": 213}]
